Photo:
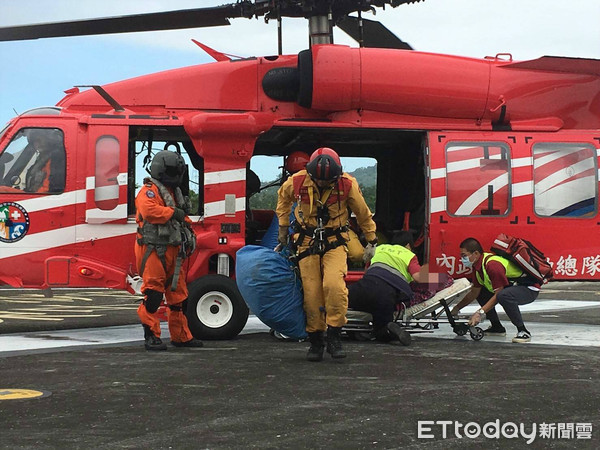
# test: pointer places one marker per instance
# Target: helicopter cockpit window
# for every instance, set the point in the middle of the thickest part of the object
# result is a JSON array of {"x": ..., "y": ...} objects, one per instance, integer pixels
[
  {"x": 34, "y": 162},
  {"x": 477, "y": 179}
]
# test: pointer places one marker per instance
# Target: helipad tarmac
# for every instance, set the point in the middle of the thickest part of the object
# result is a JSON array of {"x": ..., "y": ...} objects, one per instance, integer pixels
[
  {"x": 98, "y": 388},
  {"x": 543, "y": 333}
]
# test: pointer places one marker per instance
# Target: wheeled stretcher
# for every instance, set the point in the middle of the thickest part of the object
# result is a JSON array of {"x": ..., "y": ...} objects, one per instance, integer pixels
[{"x": 421, "y": 318}]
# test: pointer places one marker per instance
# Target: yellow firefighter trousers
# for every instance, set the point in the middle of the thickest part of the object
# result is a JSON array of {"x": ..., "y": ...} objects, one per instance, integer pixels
[{"x": 325, "y": 292}]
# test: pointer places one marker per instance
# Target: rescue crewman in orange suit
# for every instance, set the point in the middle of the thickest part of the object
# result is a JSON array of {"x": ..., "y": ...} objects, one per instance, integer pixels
[
  {"x": 322, "y": 193},
  {"x": 164, "y": 239}
]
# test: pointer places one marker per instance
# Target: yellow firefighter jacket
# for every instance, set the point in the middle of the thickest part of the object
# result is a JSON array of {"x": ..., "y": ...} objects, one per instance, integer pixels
[{"x": 304, "y": 192}]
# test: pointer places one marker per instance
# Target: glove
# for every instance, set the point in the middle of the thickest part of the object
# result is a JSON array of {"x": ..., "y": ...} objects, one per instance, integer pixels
[
  {"x": 369, "y": 252},
  {"x": 282, "y": 236},
  {"x": 178, "y": 214},
  {"x": 475, "y": 319}
]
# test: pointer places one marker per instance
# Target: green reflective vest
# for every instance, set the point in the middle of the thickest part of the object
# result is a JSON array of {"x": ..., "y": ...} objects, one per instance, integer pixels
[
  {"x": 512, "y": 270},
  {"x": 395, "y": 256}
]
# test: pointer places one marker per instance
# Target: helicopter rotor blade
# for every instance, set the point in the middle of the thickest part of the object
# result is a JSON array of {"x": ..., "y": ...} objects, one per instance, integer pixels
[
  {"x": 375, "y": 34},
  {"x": 167, "y": 20}
]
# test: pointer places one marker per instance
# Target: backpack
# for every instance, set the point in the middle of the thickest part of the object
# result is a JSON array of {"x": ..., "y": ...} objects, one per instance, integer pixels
[{"x": 524, "y": 254}]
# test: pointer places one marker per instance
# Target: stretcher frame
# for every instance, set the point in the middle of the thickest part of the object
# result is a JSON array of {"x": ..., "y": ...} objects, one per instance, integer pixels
[{"x": 424, "y": 317}]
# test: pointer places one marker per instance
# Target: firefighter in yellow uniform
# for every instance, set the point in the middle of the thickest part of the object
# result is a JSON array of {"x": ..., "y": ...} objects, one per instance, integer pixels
[
  {"x": 322, "y": 193},
  {"x": 164, "y": 240}
]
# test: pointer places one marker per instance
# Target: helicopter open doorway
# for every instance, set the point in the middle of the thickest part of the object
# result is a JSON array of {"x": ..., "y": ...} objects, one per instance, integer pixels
[{"x": 399, "y": 156}]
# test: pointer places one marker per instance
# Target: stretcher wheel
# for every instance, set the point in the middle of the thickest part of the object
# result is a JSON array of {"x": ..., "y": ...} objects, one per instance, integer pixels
[
  {"x": 461, "y": 329},
  {"x": 477, "y": 335}
]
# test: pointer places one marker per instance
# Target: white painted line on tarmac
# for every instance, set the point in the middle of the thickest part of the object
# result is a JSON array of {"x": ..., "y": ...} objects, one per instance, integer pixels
[
  {"x": 564, "y": 334},
  {"x": 44, "y": 340},
  {"x": 576, "y": 335},
  {"x": 541, "y": 305},
  {"x": 543, "y": 333}
]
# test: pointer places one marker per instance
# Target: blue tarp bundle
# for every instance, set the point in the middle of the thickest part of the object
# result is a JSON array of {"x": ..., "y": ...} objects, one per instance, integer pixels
[
  {"x": 271, "y": 289},
  {"x": 269, "y": 239}
]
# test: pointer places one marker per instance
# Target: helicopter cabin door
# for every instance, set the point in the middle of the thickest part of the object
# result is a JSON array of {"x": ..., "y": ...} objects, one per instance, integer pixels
[
  {"x": 106, "y": 179},
  {"x": 470, "y": 187},
  {"x": 542, "y": 187}
]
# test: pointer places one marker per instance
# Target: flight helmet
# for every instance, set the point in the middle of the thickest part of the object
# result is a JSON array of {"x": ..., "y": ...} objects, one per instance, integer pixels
[
  {"x": 296, "y": 161},
  {"x": 324, "y": 165},
  {"x": 168, "y": 168}
]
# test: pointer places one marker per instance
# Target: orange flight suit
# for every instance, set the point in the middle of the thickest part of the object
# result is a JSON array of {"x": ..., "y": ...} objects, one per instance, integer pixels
[{"x": 151, "y": 207}]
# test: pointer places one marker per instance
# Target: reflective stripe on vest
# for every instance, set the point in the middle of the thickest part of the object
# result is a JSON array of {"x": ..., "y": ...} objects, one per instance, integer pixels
[
  {"x": 512, "y": 270},
  {"x": 395, "y": 256}
]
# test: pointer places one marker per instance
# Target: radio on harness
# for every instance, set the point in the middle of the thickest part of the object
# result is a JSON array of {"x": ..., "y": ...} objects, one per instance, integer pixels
[{"x": 525, "y": 255}]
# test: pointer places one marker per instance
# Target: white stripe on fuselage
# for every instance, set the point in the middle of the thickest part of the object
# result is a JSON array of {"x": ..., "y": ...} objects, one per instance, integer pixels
[
  {"x": 218, "y": 208},
  {"x": 224, "y": 176},
  {"x": 46, "y": 240}
]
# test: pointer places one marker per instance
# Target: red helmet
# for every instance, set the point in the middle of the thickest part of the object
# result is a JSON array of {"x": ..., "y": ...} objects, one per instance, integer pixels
[
  {"x": 324, "y": 164},
  {"x": 296, "y": 161}
]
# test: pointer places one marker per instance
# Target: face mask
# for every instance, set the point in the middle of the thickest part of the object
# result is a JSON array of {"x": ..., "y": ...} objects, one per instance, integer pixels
[{"x": 465, "y": 261}]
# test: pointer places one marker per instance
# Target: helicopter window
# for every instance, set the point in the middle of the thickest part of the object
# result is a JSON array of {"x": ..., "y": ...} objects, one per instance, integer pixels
[
  {"x": 565, "y": 177},
  {"x": 43, "y": 111},
  {"x": 34, "y": 162},
  {"x": 106, "y": 190},
  {"x": 477, "y": 179},
  {"x": 146, "y": 142}
]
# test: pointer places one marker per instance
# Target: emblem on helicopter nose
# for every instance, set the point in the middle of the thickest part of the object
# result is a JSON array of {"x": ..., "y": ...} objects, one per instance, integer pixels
[{"x": 14, "y": 222}]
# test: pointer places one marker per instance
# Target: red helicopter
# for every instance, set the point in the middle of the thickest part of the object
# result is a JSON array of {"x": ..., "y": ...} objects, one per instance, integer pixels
[{"x": 464, "y": 147}]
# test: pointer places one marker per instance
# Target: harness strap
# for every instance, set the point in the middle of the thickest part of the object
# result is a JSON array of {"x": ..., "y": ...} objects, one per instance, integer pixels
[
  {"x": 178, "y": 263},
  {"x": 313, "y": 250},
  {"x": 315, "y": 246},
  {"x": 160, "y": 251}
]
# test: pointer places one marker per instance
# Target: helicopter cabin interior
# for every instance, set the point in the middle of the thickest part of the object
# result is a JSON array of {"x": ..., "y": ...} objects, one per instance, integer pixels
[
  {"x": 391, "y": 161},
  {"x": 388, "y": 164}
]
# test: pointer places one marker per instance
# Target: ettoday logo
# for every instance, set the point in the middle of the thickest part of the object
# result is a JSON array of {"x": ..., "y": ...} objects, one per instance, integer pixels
[{"x": 450, "y": 429}]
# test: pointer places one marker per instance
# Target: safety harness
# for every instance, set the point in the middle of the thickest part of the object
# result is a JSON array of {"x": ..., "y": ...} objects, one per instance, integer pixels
[
  {"x": 157, "y": 237},
  {"x": 319, "y": 242}
]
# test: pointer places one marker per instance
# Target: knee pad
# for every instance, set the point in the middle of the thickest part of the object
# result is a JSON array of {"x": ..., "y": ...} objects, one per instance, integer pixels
[
  {"x": 153, "y": 300},
  {"x": 179, "y": 306}
]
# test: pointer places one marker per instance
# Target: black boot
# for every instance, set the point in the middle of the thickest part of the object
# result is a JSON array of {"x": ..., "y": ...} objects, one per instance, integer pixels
[
  {"x": 317, "y": 345},
  {"x": 398, "y": 334},
  {"x": 334, "y": 343},
  {"x": 191, "y": 343},
  {"x": 152, "y": 342}
]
